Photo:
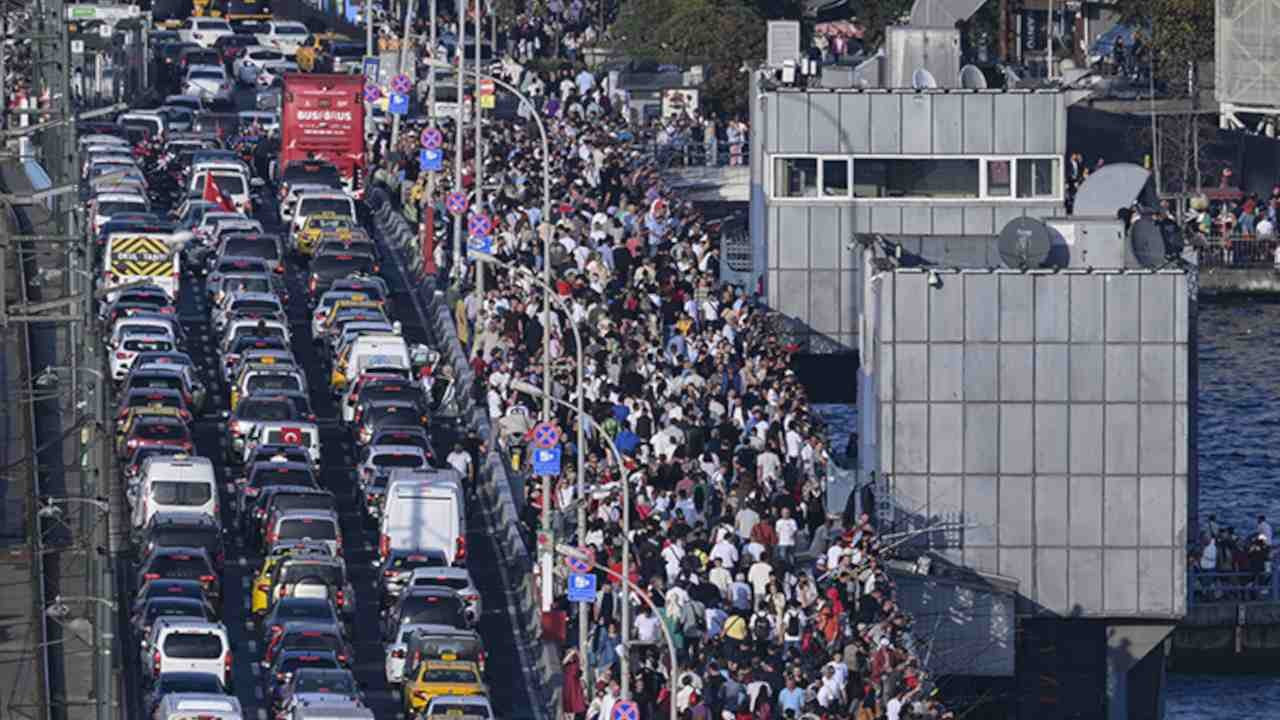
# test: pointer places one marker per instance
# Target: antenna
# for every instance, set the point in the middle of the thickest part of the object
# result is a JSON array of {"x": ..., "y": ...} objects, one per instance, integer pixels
[
  {"x": 971, "y": 78},
  {"x": 1024, "y": 243},
  {"x": 922, "y": 79}
]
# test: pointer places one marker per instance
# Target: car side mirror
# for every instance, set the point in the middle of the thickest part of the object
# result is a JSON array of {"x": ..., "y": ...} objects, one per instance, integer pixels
[{"x": 257, "y": 183}]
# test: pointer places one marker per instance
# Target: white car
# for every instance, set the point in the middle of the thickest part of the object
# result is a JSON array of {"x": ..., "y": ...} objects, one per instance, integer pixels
[
  {"x": 233, "y": 185},
  {"x": 190, "y": 102},
  {"x": 247, "y": 65},
  {"x": 274, "y": 71},
  {"x": 122, "y": 358},
  {"x": 207, "y": 81},
  {"x": 108, "y": 205},
  {"x": 286, "y": 37},
  {"x": 204, "y": 31}
]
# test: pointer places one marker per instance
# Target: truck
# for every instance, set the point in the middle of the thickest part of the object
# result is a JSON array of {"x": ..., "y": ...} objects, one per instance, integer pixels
[{"x": 322, "y": 117}]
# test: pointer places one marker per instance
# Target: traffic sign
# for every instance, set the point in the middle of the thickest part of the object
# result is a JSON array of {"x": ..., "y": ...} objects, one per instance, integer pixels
[
  {"x": 371, "y": 70},
  {"x": 432, "y": 139},
  {"x": 372, "y": 93},
  {"x": 582, "y": 588},
  {"x": 431, "y": 160},
  {"x": 487, "y": 93},
  {"x": 625, "y": 710},
  {"x": 577, "y": 564},
  {"x": 480, "y": 244},
  {"x": 546, "y": 462},
  {"x": 399, "y": 104},
  {"x": 480, "y": 224},
  {"x": 545, "y": 435},
  {"x": 456, "y": 202},
  {"x": 488, "y": 102},
  {"x": 401, "y": 84}
]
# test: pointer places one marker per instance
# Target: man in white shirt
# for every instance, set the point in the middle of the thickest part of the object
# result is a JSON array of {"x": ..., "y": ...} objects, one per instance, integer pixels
[
  {"x": 720, "y": 577},
  {"x": 460, "y": 460},
  {"x": 1264, "y": 529},
  {"x": 759, "y": 575},
  {"x": 893, "y": 708},
  {"x": 725, "y": 552},
  {"x": 785, "y": 528},
  {"x": 647, "y": 628},
  {"x": 672, "y": 556}
]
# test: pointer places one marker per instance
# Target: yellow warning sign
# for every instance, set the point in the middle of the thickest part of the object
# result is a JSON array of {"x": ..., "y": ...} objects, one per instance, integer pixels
[{"x": 141, "y": 256}]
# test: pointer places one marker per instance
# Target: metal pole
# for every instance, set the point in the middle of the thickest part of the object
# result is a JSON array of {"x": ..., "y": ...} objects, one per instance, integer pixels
[
  {"x": 431, "y": 112},
  {"x": 583, "y": 617},
  {"x": 1048, "y": 44},
  {"x": 457, "y": 140},
  {"x": 404, "y": 47},
  {"x": 479, "y": 142},
  {"x": 369, "y": 49}
]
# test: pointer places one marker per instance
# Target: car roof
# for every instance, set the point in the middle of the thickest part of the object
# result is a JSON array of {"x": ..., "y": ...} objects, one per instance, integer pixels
[
  {"x": 311, "y": 514},
  {"x": 279, "y": 465},
  {"x": 400, "y": 449},
  {"x": 182, "y": 517},
  {"x": 323, "y": 194},
  {"x": 190, "y": 622},
  {"x": 446, "y": 571},
  {"x": 253, "y": 295}
]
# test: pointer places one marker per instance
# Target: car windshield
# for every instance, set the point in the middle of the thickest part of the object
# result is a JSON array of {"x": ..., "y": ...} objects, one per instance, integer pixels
[
  {"x": 185, "y": 536},
  {"x": 397, "y": 460},
  {"x": 192, "y": 682},
  {"x": 205, "y": 75},
  {"x": 453, "y": 583},
  {"x": 269, "y": 331},
  {"x": 432, "y": 610},
  {"x": 173, "y": 607},
  {"x": 338, "y": 206},
  {"x": 248, "y": 284},
  {"x": 311, "y": 640},
  {"x": 180, "y": 567},
  {"x": 303, "y": 609},
  {"x": 193, "y": 646},
  {"x": 282, "y": 476},
  {"x": 166, "y": 492},
  {"x": 111, "y": 207},
  {"x": 411, "y": 562},
  {"x": 265, "y": 409},
  {"x": 148, "y": 345},
  {"x": 266, "y": 55},
  {"x": 448, "y": 675},
  {"x": 255, "y": 305},
  {"x": 252, "y": 247},
  {"x": 326, "y": 573},
  {"x": 339, "y": 683},
  {"x": 273, "y": 381},
  {"x": 307, "y": 528},
  {"x": 291, "y": 30},
  {"x": 229, "y": 184},
  {"x": 161, "y": 430},
  {"x": 291, "y": 663}
]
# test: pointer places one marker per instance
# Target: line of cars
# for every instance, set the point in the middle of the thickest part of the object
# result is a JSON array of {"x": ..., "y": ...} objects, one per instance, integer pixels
[{"x": 302, "y": 595}]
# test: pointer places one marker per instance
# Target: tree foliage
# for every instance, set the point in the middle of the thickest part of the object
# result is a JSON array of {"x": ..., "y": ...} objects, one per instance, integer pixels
[
  {"x": 876, "y": 15},
  {"x": 722, "y": 35},
  {"x": 1178, "y": 35}
]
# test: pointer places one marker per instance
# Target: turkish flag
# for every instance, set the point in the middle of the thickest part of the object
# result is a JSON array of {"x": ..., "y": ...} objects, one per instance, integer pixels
[
  {"x": 291, "y": 435},
  {"x": 213, "y": 194}
]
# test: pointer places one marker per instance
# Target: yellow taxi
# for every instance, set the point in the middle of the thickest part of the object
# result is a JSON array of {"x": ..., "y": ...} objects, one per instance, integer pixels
[
  {"x": 318, "y": 226},
  {"x": 433, "y": 678},
  {"x": 260, "y": 597},
  {"x": 319, "y": 42}
]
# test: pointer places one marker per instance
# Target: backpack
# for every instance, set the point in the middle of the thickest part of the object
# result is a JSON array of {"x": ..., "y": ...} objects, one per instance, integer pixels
[
  {"x": 762, "y": 627},
  {"x": 793, "y": 624}
]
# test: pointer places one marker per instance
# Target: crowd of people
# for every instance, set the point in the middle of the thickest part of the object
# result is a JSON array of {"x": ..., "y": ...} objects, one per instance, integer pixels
[
  {"x": 775, "y": 607},
  {"x": 1231, "y": 567}
]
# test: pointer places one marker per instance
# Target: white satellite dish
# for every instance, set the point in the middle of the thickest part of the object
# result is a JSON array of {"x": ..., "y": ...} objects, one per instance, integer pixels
[
  {"x": 971, "y": 78},
  {"x": 922, "y": 79}
]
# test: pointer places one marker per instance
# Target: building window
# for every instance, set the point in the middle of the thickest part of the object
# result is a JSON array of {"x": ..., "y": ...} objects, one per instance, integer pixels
[
  {"x": 915, "y": 178},
  {"x": 1038, "y": 178},
  {"x": 795, "y": 177},
  {"x": 835, "y": 178},
  {"x": 999, "y": 178}
]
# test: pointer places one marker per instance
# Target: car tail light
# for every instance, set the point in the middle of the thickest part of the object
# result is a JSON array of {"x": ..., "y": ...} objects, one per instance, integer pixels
[
  {"x": 264, "y": 587},
  {"x": 384, "y": 545},
  {"x": 208, "y": 579},
  {"x": 420, "y": 695},
  {"x": 122, "y": 356},
  {"x": 151, "y": 576},
  {"x": 388, "y": 573},
  {"x": 341, "y": 599},
  {"x": 460, "y": 551},
  {"x": 155, "y": 662},
  {"x": 280, "y": 269},
  {"x": 398, "y": 653},
  {"x": 226, "y": 663}
]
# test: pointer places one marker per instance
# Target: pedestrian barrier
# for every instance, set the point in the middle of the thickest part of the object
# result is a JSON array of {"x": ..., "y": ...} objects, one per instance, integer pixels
[
  {"x": 492, "y": 481},
  {"x": 1231, "y": 588},
  {"x": 1239, "y": 252}
]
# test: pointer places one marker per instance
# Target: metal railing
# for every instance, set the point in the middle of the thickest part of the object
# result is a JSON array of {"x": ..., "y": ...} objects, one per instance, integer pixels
[
  {"x": 1207, "y": 587},
  {"x": 1239, "y": 251},
  {"x": 683, "y": 153}
]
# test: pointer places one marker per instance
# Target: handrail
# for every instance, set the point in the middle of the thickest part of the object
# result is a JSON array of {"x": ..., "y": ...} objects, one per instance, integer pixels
[{"x": 1214, "y": 587}]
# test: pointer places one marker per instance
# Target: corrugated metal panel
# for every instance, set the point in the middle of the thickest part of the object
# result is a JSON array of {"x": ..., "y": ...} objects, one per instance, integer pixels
[
  {"x": 917, "y": 123},
  {"x": 793, "y": 237},
  {"x": 978, "y": 123},
  {"x": 886, "y": 125},
  {"x": 824, "y": 123},
  {"x": 793, "y": 122},
  {"x": 1247, "y": 56},
  {"x": 1009, "y": 123},
  {"x": 855, "y": 122}
]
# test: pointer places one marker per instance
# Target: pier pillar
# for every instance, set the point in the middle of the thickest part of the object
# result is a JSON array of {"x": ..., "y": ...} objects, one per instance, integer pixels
[{"x": 1135, "y": 670}]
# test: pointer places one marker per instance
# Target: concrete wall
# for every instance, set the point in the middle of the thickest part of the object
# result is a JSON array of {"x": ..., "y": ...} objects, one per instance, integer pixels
[
  {"x": 803, "y": 247},
  {"x": 1050, "y": 411}
]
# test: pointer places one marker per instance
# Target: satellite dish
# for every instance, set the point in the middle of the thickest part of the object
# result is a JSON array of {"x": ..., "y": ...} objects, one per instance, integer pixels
[
  {"x": 971, "y": 78},
  {"x": 922, "y": 79},
  {"x": 1146, "y": 239},
  {"x": 1024, "y": 243}
]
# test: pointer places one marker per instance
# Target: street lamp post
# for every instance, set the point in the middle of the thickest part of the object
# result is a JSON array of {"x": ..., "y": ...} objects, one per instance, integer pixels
[
  {"x": 648, "y": 601},
  {"x": 527, "y": 388}
]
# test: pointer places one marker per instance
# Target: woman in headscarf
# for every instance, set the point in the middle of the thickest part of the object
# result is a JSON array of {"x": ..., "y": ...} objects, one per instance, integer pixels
[{"x": 573, "y": 699}]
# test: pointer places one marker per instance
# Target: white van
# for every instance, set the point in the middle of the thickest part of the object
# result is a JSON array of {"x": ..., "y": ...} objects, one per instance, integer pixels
[
  {"x": 183, "y": 644},
  {"x": 198, "y": 706},
  {"x": 233, "y": 185},
  {"x": 382, "y": 353},
  {"x": 175, "y": 483},
  {"x": 424, "y": 509}
]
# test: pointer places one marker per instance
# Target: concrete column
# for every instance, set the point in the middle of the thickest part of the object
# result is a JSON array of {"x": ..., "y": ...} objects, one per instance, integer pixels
[{"x": 1135, "y": 671}]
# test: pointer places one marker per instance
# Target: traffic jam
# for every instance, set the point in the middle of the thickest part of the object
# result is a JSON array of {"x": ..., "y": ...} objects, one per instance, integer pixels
[{"x": 299, "y": 544}]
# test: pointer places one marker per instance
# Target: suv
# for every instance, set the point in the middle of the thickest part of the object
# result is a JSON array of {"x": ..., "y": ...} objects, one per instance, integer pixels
[
  {"x": 185, "y": 529},
  {"x": 189, "y": 645}
]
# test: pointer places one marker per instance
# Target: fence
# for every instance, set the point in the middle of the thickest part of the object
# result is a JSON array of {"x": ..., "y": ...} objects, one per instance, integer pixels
[
  {"x": 493, "y": 485},
  {"x": 1239, "y": 252},
  {"x": 1231, "y": 588},
  {"x": 684, "y": 153}
]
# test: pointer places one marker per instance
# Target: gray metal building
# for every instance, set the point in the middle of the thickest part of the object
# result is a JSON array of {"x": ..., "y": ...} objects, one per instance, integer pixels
[{"x": 948, "y": 165}]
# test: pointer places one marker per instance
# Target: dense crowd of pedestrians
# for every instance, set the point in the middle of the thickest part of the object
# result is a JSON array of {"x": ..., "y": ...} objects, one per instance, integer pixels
[{"x": 776, "y": 609}]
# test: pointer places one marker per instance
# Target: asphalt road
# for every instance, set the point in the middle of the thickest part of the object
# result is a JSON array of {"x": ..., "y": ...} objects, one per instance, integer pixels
[{"x": 508, "y": 695}]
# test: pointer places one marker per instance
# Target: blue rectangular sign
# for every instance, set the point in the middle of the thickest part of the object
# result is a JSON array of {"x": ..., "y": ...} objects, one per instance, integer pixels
[
  {"x": 546, "y": 462},
  {"x": 398, "y": 104},
  {"x": 582, "y": 587},
  {"x": 431, "y": 160},
  {"x": 371, "y": 70}
]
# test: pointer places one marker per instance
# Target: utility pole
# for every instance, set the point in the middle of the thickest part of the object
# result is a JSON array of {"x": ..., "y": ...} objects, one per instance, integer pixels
[
  {"x": 458, "y": 260},
  {"x": 404, "y": 48},
  {"x": 479, "y": 140}
]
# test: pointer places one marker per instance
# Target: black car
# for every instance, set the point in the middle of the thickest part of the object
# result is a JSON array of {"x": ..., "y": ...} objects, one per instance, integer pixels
[
  {"x": 400, "y": 564},
  {"x": 256, "y": 408},
  {"x": 327, "y": 269},
  {"x": 283, "y": 498},
  {"x": 152, "y": 397},
  {"x": 185, "y": 529},
  {"x": 243, "y": 343},
  {"x": 144, "y": 616},
  {"x": 311, "y": 636},
  {"x": 287, "y": 663},
  {"x": 387, "y": 413},
  {"x": 261, "y": 475},
  {"x": 169, "y": 587},
  {"x": 294, "y": 609},
  {"x": 390, "y": 390},
  {"x": 426, "y": 606},
  {"x": 181, "y": 682},
  {"x": 414, "y": 435},
  {"x": 183, "y": 563}
]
